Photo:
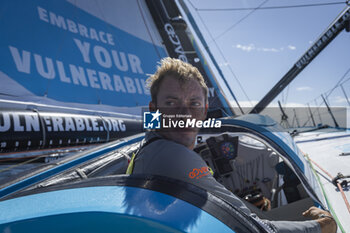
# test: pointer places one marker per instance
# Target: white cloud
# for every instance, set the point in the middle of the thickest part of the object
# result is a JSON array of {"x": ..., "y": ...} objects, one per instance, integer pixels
[
  {"x": 292, "y": 47},
  {"x": 268, "y": 50},
  {"x": 252, "y": 47},
  {"x": 304, "y": 88},
  {"x": 246, "y": 48},
  {"x": 224, "y": 64}
]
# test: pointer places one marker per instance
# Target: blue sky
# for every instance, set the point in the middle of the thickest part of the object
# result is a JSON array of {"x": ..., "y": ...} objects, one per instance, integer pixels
[{"x": 265, "y": 45}]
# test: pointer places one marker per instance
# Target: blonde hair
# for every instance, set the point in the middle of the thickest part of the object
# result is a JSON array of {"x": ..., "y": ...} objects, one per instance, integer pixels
[{"x": 182, "y": 71}]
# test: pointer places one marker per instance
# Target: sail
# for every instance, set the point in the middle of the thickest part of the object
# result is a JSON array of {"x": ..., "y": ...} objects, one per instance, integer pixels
[
  {"x": 64, "y": 61},
  {"x": 91, "y": 54},
  {"x": 86, "y": 53}
]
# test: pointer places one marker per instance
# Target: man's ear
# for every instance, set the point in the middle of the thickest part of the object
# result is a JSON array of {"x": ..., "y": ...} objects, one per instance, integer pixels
[
  {"x": 152, "y": 106},
  {"x": 206, "y": 110}
]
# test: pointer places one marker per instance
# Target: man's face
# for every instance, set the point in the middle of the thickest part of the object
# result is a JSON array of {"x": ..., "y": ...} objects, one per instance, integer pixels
[{"x": 180, "y": 98}]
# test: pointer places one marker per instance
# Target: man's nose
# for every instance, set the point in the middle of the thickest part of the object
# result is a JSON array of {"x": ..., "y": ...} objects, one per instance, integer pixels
[{"x": 184, "y": 110}]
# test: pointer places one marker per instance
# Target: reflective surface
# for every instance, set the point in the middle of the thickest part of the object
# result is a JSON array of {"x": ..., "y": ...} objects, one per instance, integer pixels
[{"x": 107, "y": 209}]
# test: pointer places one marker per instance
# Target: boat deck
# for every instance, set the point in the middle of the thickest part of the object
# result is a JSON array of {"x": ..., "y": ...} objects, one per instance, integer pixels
[{"x": 331, "y": 151}]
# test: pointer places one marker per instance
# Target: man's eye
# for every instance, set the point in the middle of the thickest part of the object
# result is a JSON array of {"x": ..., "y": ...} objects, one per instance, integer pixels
[
  {"x": 169, "y": 103},
  {"x": 195, "y": 104}
]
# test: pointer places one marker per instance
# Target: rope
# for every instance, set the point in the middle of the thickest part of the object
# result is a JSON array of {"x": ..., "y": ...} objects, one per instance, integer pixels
[
  {"x": 329, "y": 92},
  {"x": 325, "y": 194},
  {"x": 222, "y": 54},
  {"x": 20, "y": 164},
  {"x": 328, "y": 174},
  {"x": 273, "y": 7},
  {"x": 240, "y": 20},
  {"x": 338, "y": 185}
]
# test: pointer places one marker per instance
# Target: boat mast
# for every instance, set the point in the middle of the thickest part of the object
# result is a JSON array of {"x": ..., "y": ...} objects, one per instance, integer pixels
[
  {"x": 338, "y": 25},
  {"x": 179, "y": 43}
]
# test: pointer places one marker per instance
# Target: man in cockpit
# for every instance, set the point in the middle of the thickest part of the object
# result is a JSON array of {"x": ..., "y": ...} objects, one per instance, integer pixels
[{"x": 178, "y": 89}]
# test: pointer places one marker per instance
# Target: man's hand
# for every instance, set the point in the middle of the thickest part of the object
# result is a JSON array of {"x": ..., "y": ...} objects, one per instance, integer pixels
[{"x": 328, "y": 225}]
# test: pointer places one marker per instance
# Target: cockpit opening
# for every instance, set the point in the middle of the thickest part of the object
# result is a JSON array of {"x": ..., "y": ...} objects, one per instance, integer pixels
[{"x": 253, "y": 170}]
